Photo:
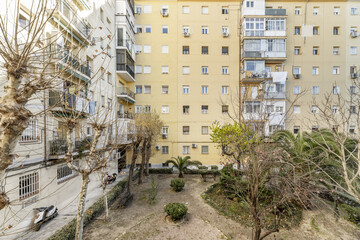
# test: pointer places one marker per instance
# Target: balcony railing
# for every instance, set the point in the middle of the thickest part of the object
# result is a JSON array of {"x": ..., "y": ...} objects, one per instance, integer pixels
[
  {"x": 275, "y": 95},
  {"x": 68, "y": 101},
  {"x": 124, "y": 67},
  {"x": 275, "y": 12},
  {"x": 58, "y": 147},
  {"x": 126, "y": 115},
  {"x": 75, "y": 63},
  {"x": 264, "y": 54},
  {"x": 124, "y": 91},
  {"x": 256, "y": 74}
]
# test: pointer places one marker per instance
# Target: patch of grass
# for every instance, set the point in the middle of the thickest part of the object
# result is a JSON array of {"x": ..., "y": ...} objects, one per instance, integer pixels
[{"x": 314, "y": 225}]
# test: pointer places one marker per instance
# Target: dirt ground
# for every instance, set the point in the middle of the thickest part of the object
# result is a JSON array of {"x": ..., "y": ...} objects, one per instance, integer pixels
[{"x": 143, "y": 221}]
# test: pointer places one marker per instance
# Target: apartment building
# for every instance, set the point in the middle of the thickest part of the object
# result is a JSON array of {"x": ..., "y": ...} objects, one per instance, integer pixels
[
  {"x": 194, "y": 62},
  {"x": 95, "y": 68}
]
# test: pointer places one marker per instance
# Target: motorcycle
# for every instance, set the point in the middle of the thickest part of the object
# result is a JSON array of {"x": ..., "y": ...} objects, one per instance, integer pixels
[
  {"x": 44, "y": 214},
  {"x": 110, "y": 179}
]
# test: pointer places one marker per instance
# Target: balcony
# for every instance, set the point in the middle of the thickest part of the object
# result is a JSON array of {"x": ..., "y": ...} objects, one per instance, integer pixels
[
  {"x": 275, "y": 95},
  {"x": 72, "y": 64},
  {"x": 275, "y": 12},
  {"x": 256, "y": 76},
  {"x": 125, "y": 65},
  {"x": 68, "y": 103},
  {"x": 126, "y": 94},
  {"x": 265, "y": 55},
  {"x": 125, "y": 115},
  {"x": 60, "y": 146},
  {"x": 71, "y": 21}
]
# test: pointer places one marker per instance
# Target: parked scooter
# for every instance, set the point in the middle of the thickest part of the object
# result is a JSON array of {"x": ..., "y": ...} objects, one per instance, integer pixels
[
  {"x": 45, "y": 214},
  {"x": 110, "y": 179}
]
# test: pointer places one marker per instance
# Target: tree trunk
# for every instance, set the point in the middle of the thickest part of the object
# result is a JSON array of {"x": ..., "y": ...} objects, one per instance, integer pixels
[
  {"x": 148, "y": 154},
  {"x": 81, "y": 206},
  {"x": 143, "y": 160},
  {"x": 181, "y": 175},
  {"x": 132, "y": 166},
  {"x": 105, "y": 196}
]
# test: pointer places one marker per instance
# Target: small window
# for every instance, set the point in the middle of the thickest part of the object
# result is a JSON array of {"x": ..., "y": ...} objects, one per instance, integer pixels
[
  {"x": 315, "y": 71},
  {"x": 164, "y": 49},
  {"x": 185, "y": 70},
  {"x": 354, "y": 11},
  {"x": 353, "y": 50},
  {"x": 186, "y": 130},
  {"x": 23, "y": 22},
  {"x": 225, "y": 29},
  {"x": 316, "y": 51},
  {"x": 205, "y": 50},
  {"x": 165, "y": 69},
  {"x": 225, "y": 50},
  {"x": 138, "y": 29},
  {"x": 147, "y": 69},
  {"x": 335, "y": 109},
  {"x": 147, "y": 28},
  {"x": 204, "y": 30},
  {"x": 138, "y": 89},
  {"x": 186, "y": 29},
  {"x": 165, "y": 29},
  {"x": 147, "y": 48},
  {"x": 147, "y": 109},
  {"x": 164, "y": 109},
  {"x": 138, "y": 69},
  {"x": 296, "y": 129},
  {"x": 297, "y": 90},
  {"x": 353, "y": 90},
  {"x": 352, "y": 129},
  {"x": 186, "y": 109},
  {"x": 297, "y": 50},
  {"x": 336, "y": 30},
  {"x": 147, "y": 9},
  {"x": 186, "y": 89},
  {"x": 204, "y": 149},
  {"x": 336, "y": 50},
  {"x": 186, "y": 50},
  {"x": 315, "y": 90},
  {"x": 205, "y": 130},
  {"x": 164, "y": 149},
  {"x": 204, "y": 10},
  {"x": 336, "y": 10},
  {"x": 28, "y": 185},
  {"x": 186, "y": 149},
  {"x": 297, "y": 30},
  {"x": 225, "y": 70},
  {"x": 297, "y": 10},
  {"x": 336, "y": 90},
  {"x": 138, "y": 109},
  {"x": 165, "y": 130},
  {"x": 204, "y": 70},
  {"x": 138, "y": 9},
  {"x": 147, "y": 89},
  {"x": 297, "y": 70},
  {"x": 204, "y": 89},
  {"x": 336, "y": 70},
  {"x": 316, "y": 30},
  {"x": 316, "y": 11},
  {"x": 314, "y": 109},
  {"x": 204, "y": 109},
  {"x": 296, "y": 109},
  {"x": 185, "y": 9},
  {"x": 352, "y": 109},
  {"x": 165, "y": 89},
  {"x": 250, "y": 3},
  {"x": 224, "y": 109},
  {"x": 225, "y": 90},
  {"x": 225, "y": 10}
]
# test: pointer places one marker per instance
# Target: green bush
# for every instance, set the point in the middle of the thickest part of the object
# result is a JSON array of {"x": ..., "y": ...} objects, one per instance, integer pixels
[
  {"x": 214, "y": 167},
  {"x": 177, "y": 184},
  {"x": 176, "y": 210},
  {"x": 352, "y": 214},
  {"x": 160, "y": 170},
  {"x": 203, "y": 167}
]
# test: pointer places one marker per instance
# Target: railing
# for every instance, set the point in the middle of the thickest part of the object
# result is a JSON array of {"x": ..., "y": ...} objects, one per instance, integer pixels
[
  {"x": 125, "y": 67},
  {"x": 275, "y": 95},
  {"x": 252, "y": 54},
  {"x": 127, "y": 115},
  {"x": 66, "y": 57},
  {"x": 264, "y": 54},
  {"x": 74, "y": 18},
  {"x": 69, "y": 101},
  {"x": 58, "y": 147},
  {"x": 82, "y": 144},
  {"x": 126, "y": 91},
  {"x": 275, "y": 12},
  {"x": 253, "y": 74}
]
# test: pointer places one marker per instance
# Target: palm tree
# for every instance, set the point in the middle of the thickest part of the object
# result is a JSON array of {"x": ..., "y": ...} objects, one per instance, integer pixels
[{"x": 182, "y": 163}]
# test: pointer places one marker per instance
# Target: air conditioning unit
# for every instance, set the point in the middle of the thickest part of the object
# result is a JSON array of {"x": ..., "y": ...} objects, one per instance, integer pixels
[
  {"x": 138, "y": 51},
  {"x": 225, "y": 34},
  {"x": 354, "y": 34},
  {"x": 194, "y": 145},
  {"x": 354, "y": 75},
  {"x": 164, "y": 12},
  {"x": 297, "y": 76},
  {"x": 157, "y": 147},
  {"x": 164, "y": 136},
  {"x": 186, "y": 34}
]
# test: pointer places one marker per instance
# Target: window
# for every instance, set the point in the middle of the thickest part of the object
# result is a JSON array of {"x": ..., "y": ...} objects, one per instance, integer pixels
[
  {"x": 297, "y": 90},
  {"x": 147, "y": 89},
  {"x": 147, "y": 49},
  {"x": 138, "y": 9},
  {"x": 315, "y": 90},
  {"x": 101, "y": 14},
  {"x": 225, "y": 50},
  {"x": 204, "y": 10},
  {"x": 275, "y": 24},
  {"x": 297, "y": 70},
  {"x": 354, "y": 11},
  {"x": 165, "y": 89},
  {"x": 279, "y": 109},
  {"x": 224, "y": 109},
  {"x": 185, "y": 70},
  {"x": 185, "y": 9},
  {"x": 186, "y": 149},
  {"x": 186, "y": 29},
  {"x": 147, "y": 69},
  {"x": 102, "y": 101},
  {"x": 138, "y": 109},
  {"x": 30, "y": 133},
  {"x": 186, "y": 109},
  {"x": 138, "y": 89},
  {"x": 64, "y": 172},
  {"x": 336, "y": 10},
  {"x": 204, "y": 149},
  {"x": 186, "y": 89},
  {"x": 296, "y": 109},
  {"x": 164, "y": 49},
  {"x": 336, "y": 90},
  {"x": 165, "y": 10},
  {"x": 23, "y": 22},
  {"x": 297, "y": 31},
  {"x": 336, "y": 30},
  {"x": 204, "y": 130},
  {"x": 164, "y": 69},
  {"x": 254, "y": 27},
  {"x": 336, "y": 70},
  {"x": 204, "y": 109},
  {"x": 165, "y": 130},
  {"x": 352, "y": 129},
  {"x": 297, "y": 10},
  {"x": 315, "y": 71},
  {"x": 165, "y": 29},
  {"x": 353, "y": 90},
  {"x": 138, "y": 28},
  {"x": 164, "y": 109},
  {"x": 270, "y": 108},
  {"x": 224, "y": 70},
  {"x": 165, "y": 150},
  {"x": 204, "y": 89},
  {"x": 336, "y": 50},
  {"x": 186, "y": 50},
  {"x": 204, "y": 50},
  {"x": 147, "y": 9},
  {"x": 296, "y": 129},
  {"x": 314, "y": 109},
  {"x": 28, "y": 185},
  {"x": 225, "y": 10},
  {"x": 316, "y": 11},
  {"x": 147, "y": 28},
  {"x": 204, "y": 70},
  {"x": 225, "y": 90},
  {"x": 353, "y": 50},
  {"x": 316, "y": 30},
  {"x": 252, "y": 107},
  {"x": 147, "y": 109},
  {"x": 353, "y": 109},
  {"x": 297, "y": 50},
  {"x": 204, "y": 30},
  {"x": 316, "y": 51},
  {"x": 225, "y": 29},
  {"x": 186, "y": 130},
  {"x": 250, "y": 3},
  {"x": 335, "y": 109}
]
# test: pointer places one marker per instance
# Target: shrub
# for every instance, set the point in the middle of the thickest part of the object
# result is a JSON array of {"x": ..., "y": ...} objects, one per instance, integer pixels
[
  {"x": 176, "y": 210},
  {"x": 177, "y": 184},
  {"x": 160, "y": 170},
  {"x": 352, "y": 214},
  {"x": 203, "y": 167},
  {"x": 214, "y": 167}
]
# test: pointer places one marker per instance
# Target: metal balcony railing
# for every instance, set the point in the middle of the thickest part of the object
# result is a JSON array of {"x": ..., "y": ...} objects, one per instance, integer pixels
[
  {"x": 68, "y": 101},
  {"x": 75, "y": 63},
  {"x": 126, "y": 115},
  {"x": 125, "y": 67},
  {"x": 124, "y": 91},
  {"x": 58, "y": 147}
]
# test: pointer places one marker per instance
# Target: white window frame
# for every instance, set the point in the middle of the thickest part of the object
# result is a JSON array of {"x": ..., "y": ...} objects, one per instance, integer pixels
[
  {"x": 147, "y": 27},
  {"x": 204, "y": 89},
  {"x": 297, "y": 90},
  {"x": 297, "y": 109},
  {"x": 138, "y": 69},
  {"x": 165, "y": 49},
  {"x": 185, "y": 9},
  {"x": 147, "y": 48},
  {"x": 186, "y": 89},
  {"x": 29, "y": 185},
  {"x": 164, "y": 149},
  {"x": 204, "y": 10},
  {"x": 30, "y": 134},
  {"x": 204, "y": 70},
  {"x": 186, "y": 150},
  {"x": 165, "y": 109},
  {"x": 147, "y": 9},
  {"x": 204, "y": 109},
  {"x": 225, "y": 89},
  {"x": 204, "y": 30},
  {"x": 185, "y": 70},
  {"x": 165, "y": 69},
  {"x": 336, "y": 70},
  {"x": 138, "y": 108},
  {"x": 147, "y": 69},
  {"x": 64, "y": 172},
  {"x": 163, "y": 27},
  {"x": 165, "y": 89},
  {"x": 147, "y": 89},
  {"x": 353, "y": 50},
  {"x": 225, "y": 70},
  {"x": 315, "y": 90},
  {"x": 204, "y": 130},
  {"x": 205, "y": 149}
]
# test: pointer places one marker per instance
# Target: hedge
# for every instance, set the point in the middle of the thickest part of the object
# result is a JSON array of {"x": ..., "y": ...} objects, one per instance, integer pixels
[
  {"x": 201, "y": 171},
  {"x": 160, "y": 170},
  {"x": 68, "y": 231}
]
